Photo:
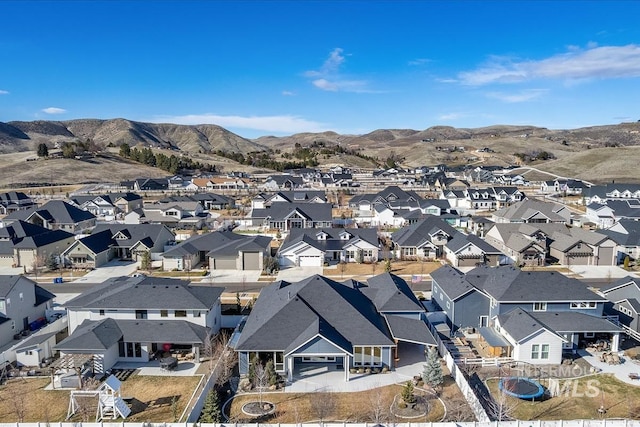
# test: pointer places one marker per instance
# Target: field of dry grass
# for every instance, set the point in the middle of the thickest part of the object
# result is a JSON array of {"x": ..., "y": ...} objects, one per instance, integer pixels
[
  {"x": 363, "y": 406},
  {"x": 400, "y": 268},
  {"x": 582, "y": 401},
  {"x": 15, "y": 169},
  {"x": 153, "y": 399}
]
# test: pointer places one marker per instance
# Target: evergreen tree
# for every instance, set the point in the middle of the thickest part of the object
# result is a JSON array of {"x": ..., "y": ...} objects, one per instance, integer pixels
[
  {"x": 432, "y": 374},
  {"x": 272, "y": 377},
  {"x": 626, "y": 262},
  {"x": 211, "y": 411},
  {"x": 145, "y": 260},
  {"x": 407, "y": 393},
  {"x": 43, "y": 150},
  {"x": 125, "y": 150},
  {"x": 52, "y": 262}
]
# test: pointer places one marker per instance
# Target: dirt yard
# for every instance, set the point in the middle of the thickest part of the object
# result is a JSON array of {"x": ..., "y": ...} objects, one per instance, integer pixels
[
  {"x": 154, "y": 399},
  {"x": 400, "y": 268}
]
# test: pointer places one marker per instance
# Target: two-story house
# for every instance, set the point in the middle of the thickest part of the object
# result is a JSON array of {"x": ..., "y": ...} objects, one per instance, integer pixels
[
  {"x": 487, "y": 297},
  {"x": 134, "y": 318},
  {"x": 425, "y": 238},
  {"x": 22, "y": 302}
]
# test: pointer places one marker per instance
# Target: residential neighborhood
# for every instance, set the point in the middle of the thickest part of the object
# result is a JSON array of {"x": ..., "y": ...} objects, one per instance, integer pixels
[{"x": 327, "y": 282}]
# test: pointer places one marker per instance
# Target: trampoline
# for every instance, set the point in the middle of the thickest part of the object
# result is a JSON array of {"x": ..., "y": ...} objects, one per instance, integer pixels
[{"x": 521, "y": 387}]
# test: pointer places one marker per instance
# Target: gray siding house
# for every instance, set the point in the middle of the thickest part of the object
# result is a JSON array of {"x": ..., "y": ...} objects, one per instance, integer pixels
[{"x": 480, "y": 297}]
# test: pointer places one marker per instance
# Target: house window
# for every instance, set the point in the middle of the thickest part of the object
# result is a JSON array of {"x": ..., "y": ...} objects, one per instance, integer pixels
[
  {"x": 493, "y": 303},
  {"x": 164, "y": 313},
  {"x": 101, "y": 312},
  {"x": 180, "y": 313},
  {"x": 539, "y": 306},
  {"x": 141, "y": 314},
  {"x": 278, "y": 361},
  {"x": 535, "y": 351},
  {"x": 589, "y": 334},
  {"x": 129, "y": 349},
  {"x": 367, "y": 356},
  {"x": 13, "y": 324},
  {"x": 590, "y": 305},
  {"x": 1, "y": 305},
  {"x": 544, "y": 354}
]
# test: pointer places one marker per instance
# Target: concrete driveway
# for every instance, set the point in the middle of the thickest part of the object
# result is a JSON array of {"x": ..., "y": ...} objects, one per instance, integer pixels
[
  {"x": 109, "y": 270},
  {"x": 232, "y": 276},
  {"x": 295, "y": 274},
  {"x": 600, "y": 272}
]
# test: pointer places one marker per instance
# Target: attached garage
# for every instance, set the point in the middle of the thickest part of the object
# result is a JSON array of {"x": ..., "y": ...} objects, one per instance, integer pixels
[
  {"x": 606, "y": 256},
  {"x": 310, "y": 261},
  {"x": 251, "y": 260},
  {"x": 224, "y": 264}
]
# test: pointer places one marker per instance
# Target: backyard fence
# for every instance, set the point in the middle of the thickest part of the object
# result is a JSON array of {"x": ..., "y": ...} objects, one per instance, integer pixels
[
  {"x": 458, "y": 376},
  {"x": 558, "y": 423}
]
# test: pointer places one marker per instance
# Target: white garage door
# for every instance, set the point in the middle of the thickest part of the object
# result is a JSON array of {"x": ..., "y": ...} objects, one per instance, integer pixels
[{"x": 310, "y": 261}]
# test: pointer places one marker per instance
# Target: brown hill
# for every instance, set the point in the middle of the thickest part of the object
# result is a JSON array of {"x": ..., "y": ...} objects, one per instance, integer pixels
[{"x": 21, "y": 136}]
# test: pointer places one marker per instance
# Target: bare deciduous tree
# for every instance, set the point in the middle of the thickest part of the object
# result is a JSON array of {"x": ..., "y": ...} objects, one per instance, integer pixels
[
  {"x": 458, "y": 411},
  {"x": 18, "y": 402},
  {"x": 501, "y": 407},
  {"x": 220, "y": 357},
  {"x": 378, "y": 406},
  {"x": 324, "y": 405},
  {"x": 261, "y": 381}
]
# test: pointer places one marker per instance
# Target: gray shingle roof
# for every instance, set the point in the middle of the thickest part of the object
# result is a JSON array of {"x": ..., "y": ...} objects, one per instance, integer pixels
[
  {"x": 33, "y": 341},
  {"x": 391, "y": 293},
  {"x": 419, "y": 233},
  {"x": 333, "y": 241},
  {"x": 57, "y": 211},
  {"x": 509, "y": 284},
  {"x": 412, "y": 330},
  {"x": 461, "y": 240},
  {"x": 279, "y": 210},
  {"x": 147, "y": 293},
  {"x": 149, "y": 234},
  {"x": 288, "y": 314},
  {"x": 92, "y": 336},
  {"x": 522, "y": 211},
  {"x": 521, "y": 324},
  {"x": 566, "y": 321},
  {"x": 218, "y": 243},
  {"x": 452, "y": 282},
  {"x": 100, "y": 335}
]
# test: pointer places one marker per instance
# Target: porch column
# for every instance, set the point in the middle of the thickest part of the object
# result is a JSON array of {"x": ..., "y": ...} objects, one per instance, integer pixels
[
  {"x": 347, "y": 365},
  {"x": 396, "y": 359},
  {"x": 615, "y": 342},
  {"x": 290, "y": 368},
  {"x": 196, "y": 353}
]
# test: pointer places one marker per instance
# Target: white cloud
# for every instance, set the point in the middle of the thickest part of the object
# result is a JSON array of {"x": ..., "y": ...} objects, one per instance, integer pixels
[
  {"x": 594, "y": 62},
  {"x": 329, "y": 78},
  {"x": 419, "y": 61},
  {"x": 54, "y": 110},
  {"x": 451, "y": 116},
  {"x": 283, "y": 124},
  {"x": 288, "y": 93},
  {"x": 521, "y": 96},
  {"x": 4, "y": 92}
]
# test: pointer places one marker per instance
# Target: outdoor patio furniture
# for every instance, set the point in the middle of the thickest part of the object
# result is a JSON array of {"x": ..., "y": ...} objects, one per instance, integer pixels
[
  {"x": 634, "y": 376},
  {"x": 168, "y": 363}
]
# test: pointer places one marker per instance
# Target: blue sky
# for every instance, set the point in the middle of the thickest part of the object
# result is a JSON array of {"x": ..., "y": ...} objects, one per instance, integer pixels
[{"x": 283, "y": 67}]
